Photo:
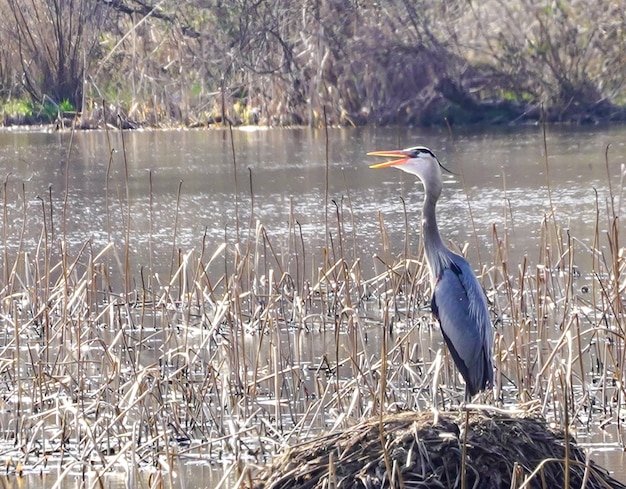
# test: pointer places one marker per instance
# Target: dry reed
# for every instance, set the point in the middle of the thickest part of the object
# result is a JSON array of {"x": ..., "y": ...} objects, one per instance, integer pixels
[
  {"x": 429, "y": 450},
  {"x": 246, "y": 349}
]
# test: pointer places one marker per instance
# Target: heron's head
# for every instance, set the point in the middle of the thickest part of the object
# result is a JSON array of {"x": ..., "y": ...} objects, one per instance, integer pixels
[{"x": 419, "y": 161}]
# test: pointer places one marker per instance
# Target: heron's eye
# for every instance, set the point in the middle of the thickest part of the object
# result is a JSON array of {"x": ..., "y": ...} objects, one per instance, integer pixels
[{"x": 418, "y": 151}]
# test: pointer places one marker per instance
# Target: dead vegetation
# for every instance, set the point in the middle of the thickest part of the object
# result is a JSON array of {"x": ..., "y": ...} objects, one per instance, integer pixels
[
  {"x": 243, "y": 350},
  {"x": 425, "y": 450},
  {"x": 132, "y": 62}
]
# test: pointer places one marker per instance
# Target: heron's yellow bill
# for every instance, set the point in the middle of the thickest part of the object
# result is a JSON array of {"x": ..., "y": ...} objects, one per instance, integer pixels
[{"x": 399, "y": 157}]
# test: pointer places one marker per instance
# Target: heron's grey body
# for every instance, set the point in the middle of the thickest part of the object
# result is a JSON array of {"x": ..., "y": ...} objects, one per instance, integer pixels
[{"x": 458, "y": 300}]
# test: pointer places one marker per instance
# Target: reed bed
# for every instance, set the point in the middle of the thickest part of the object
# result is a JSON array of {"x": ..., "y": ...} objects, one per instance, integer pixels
[
  {"x": 426, "y": 449},
  {"x": 258, "y": 344}
]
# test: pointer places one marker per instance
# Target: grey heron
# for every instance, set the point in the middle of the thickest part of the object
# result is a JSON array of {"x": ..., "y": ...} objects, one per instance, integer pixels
[{"x": 458, "y": 300}]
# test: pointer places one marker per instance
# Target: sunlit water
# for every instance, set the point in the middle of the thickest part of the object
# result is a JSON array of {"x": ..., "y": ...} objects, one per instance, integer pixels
[
  {"x": 184, "y": 193},
  {"x": 187, "y": 178}
]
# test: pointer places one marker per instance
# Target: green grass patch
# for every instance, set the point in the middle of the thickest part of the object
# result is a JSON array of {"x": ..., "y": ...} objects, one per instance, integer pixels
[{"x": 16, "y": 108}]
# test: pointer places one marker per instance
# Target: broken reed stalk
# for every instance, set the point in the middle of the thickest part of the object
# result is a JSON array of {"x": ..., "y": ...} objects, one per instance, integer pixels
[
  {"x": 382, "y": 402},
  {"x": 127, "y": 272},
  {"x": 327, "y": 178},
  {"x": 175, "y": 231},
  {"x": 546, "y": 160},
  {"x": 236, "y": 184}
]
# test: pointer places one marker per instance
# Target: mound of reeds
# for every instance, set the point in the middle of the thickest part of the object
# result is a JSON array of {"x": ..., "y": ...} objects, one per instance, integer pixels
[{"x": 426, "y": 450}]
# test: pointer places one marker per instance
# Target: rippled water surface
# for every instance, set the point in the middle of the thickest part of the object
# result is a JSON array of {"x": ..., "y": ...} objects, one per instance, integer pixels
[
  {"x": 163, "y": 192},
  {"x": 187, "y": 179}
]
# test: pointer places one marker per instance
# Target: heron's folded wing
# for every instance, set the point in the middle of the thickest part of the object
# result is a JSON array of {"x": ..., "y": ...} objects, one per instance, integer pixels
[{"x": 460, "y": 322}]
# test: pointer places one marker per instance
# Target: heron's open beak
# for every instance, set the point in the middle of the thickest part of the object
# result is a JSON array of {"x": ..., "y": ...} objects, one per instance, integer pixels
[{"x": 399, "y": 157}]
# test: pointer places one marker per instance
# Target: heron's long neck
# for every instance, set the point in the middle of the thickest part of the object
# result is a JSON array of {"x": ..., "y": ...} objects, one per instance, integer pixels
[{"x": 433, "y": 246}]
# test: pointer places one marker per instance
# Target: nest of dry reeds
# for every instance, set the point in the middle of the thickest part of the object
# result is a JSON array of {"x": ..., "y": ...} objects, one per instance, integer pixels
[{"x": 424, "y": 450}]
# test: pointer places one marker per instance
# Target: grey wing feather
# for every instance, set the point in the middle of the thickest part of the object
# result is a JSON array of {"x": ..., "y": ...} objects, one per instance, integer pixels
[{"x": 461, "y": 307}]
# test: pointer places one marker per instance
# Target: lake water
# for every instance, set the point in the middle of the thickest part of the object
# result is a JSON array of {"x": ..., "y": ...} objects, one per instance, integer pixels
[
  {"x": 156, "y": 193},
  {"x": 504, "y": 183}
]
